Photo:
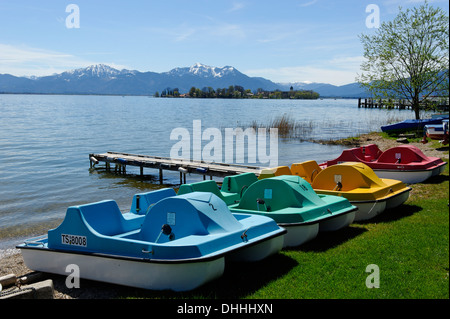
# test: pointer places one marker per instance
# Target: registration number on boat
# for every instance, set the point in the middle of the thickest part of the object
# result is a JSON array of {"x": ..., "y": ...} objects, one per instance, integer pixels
[{"x": 74, "y": 240}]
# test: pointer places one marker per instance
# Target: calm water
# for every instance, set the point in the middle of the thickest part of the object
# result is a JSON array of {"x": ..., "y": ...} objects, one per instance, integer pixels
[{"x": 45, "y": 142}]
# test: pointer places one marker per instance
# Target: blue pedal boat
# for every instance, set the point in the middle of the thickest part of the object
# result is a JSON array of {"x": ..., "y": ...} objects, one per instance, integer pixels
[{"x": 179, "y": 243}]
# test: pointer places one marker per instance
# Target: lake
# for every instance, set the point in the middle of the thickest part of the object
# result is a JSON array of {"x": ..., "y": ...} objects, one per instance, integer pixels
[{"x": 45, "y": 141}]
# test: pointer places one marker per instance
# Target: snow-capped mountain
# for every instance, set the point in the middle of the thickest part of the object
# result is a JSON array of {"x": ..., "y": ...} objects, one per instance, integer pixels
[
  {"x": 98, "y": 70},
  {"x": 205, "y": 71},
  {"x": 103, "y": 79}
]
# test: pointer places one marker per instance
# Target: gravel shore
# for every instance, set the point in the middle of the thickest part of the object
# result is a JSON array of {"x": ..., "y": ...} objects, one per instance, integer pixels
[{"x": 11, "y": 261}]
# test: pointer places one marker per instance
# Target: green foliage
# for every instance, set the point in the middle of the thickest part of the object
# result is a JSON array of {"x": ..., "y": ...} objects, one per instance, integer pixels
[{"x": 408, "y": 57}]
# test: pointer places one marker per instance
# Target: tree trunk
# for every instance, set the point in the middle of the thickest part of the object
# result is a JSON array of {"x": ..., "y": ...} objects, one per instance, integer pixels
[{"x": 416, "y": 104}]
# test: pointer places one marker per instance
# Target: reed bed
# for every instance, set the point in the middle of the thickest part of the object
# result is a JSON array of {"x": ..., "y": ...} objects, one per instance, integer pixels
[{"x": 326, "y": 129}]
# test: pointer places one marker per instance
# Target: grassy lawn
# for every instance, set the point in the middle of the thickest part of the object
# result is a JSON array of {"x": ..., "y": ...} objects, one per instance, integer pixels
[{"x": 410, "y": 246}]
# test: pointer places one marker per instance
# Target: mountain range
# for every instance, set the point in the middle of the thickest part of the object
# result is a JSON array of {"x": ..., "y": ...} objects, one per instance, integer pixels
[{"x": 103, "y": 79}]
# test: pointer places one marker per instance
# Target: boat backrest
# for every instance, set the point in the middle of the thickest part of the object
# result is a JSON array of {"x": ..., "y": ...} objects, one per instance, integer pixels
[
  {"x": 278, "y": 193},
  {"x": 203, "y": 186},
  {"x": 346, "y": 177},
  {"x": 105, "y": 218},
  {"x": 266, "y": 173},
  {"x": 143, "y": 201},
  {"x": 238, "y": 183},
  {"x": 198, "y": 213},
  {"x": 349, "y": 155},
  {"x": 307, "y": 170},
  {"x": 403, "y": 154},
  {"x": 282, "y": 170},
  {"x": 370, "y": 152}
]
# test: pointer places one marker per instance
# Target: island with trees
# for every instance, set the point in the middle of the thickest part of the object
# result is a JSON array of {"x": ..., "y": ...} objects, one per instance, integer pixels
[{"x": 238, "y": 92}]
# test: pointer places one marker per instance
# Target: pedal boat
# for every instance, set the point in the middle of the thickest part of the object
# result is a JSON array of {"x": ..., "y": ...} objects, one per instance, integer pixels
[
  {"x": 358, "y": 183},
  {"x": 179, "y": 244},
  {"x": 406, "y": 163},
  {"x": 293, "y": 204},
  {"x": 231, "y": 191}
]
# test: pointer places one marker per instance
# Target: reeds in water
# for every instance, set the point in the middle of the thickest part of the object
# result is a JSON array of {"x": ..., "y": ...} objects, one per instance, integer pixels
[{"x": 287, "y": 126}]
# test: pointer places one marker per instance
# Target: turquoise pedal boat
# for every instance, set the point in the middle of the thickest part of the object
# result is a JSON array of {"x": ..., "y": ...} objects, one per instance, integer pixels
[
  {"x": 231, "y": 191},
  {"x": 178, "y": 243},
  {"x": 294, "y": 205}
]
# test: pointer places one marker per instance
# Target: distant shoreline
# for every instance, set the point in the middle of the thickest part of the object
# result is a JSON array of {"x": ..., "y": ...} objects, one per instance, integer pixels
[{"x": 168, "y": 97}]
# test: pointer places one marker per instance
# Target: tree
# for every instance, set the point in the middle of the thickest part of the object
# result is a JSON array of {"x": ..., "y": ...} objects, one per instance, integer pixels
[
  {"x": 192, "y": 92},
  {"x": 408, "y": 57}
]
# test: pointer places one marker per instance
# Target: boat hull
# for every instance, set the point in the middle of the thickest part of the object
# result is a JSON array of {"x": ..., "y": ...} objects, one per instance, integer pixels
[
  {"x": 338, "y": 222},
  {"x": 257, "y": 252},
  {"x": 138, "y": 273},
  {"x": 408, "y": 177},
  {"x": 368, "y": 209},
  {"x": 298, "y": 234},
  {"x": 398, "y": 200},
  {"x": 409, "y": 125}
]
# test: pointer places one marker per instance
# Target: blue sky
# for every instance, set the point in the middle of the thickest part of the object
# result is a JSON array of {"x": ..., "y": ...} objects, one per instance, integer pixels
[{"x": 284, "y": 41}]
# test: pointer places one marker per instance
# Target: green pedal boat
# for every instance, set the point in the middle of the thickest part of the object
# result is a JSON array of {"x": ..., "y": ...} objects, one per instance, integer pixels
[{"x": 295, "y": 206}]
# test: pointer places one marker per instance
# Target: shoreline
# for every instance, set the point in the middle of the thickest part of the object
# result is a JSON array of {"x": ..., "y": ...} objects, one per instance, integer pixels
[{"x": 11, "y": 261}]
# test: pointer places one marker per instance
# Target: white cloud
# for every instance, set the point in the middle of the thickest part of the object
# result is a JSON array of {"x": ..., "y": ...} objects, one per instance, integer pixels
[
  {"x": 307, "y": 4},
  {"x": 25, "y": 61},
  {"x": 337, "y": 71},
  {"x": 236, "y": 7}
]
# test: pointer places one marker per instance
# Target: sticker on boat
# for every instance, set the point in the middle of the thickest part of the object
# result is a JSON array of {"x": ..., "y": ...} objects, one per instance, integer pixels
[
  {"x": 171, "y": 219},
  {"x": 74, "y": 240},
  {"x": 268, "y": 193}
]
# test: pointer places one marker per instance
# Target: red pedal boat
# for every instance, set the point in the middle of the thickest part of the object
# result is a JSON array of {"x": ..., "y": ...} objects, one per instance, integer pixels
[{"x": 405, "y": 163}]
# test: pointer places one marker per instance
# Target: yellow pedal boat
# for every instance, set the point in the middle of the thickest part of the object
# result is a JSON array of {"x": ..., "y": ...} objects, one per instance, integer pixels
[{"x": 352, "y": 180}]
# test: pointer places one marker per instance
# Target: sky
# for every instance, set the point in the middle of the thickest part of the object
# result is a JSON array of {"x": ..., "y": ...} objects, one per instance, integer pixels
[{"x": 283, "y": 41}]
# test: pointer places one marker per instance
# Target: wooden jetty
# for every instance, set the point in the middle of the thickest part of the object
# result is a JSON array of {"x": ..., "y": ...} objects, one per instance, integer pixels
[
  {"x": 184, "y": 166},
  {"x": 403, "y": 104}
]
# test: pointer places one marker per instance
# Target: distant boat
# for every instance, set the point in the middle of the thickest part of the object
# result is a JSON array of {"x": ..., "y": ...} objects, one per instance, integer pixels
[
  {"x": 411, "y": 125},
  {"x": 437, "y": 131}
]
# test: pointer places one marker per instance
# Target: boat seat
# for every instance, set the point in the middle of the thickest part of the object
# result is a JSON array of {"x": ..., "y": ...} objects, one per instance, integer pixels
[
  {"x": 106, "y": 218},
  {"x": 142, "y": 202},
  {"x": 282, "y": 170},
  {"x": 371, "y": 152},
  {"x": 307, "y": 170},
  {"x": 266, "y": 173},
  {"x": 238, "y": 183},
  {"x": 211, "y": 187},
  {"x": 404, "y": 154}
]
